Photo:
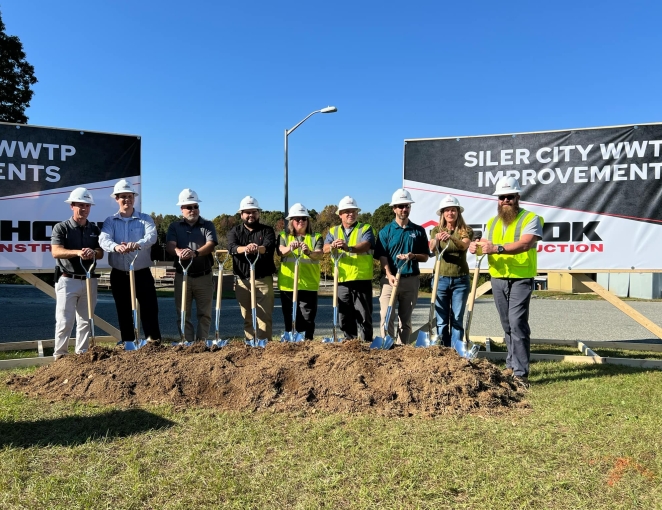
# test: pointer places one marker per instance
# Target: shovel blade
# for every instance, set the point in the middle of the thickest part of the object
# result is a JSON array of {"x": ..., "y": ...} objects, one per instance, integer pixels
[
  {"x": 382, "y": 343},
  {"x": 467, "y": 350},
  {"x": 251, "y": 343},
  {"x": 221, "y": 343},
  {"x": 142, "y": 343},
  {"x": 297, "y": 337},
  {"x": 261, "y": 343},
  {"x": 327, "y": 340},
  {"x": 130, "y": 346},
  {"x": 423, "y": 339},
  {"x": 286, "y": 337}
]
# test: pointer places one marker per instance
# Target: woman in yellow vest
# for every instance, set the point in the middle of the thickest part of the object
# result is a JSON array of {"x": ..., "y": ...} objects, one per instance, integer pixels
[
  {"x": 298, "y": 237},
  {"x": 453, "y": 288}
]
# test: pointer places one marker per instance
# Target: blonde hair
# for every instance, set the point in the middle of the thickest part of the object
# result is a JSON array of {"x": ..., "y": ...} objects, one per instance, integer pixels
[
  {"x": 460, "y": 225},
  {"x": 291, "y": 231}
]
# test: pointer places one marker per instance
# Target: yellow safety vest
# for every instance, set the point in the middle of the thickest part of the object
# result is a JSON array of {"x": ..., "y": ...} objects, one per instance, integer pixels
[
  {"x": 353, "y": 266},
  {"x": 309, "y": 269},
  {"x": 522, "y": 265}
]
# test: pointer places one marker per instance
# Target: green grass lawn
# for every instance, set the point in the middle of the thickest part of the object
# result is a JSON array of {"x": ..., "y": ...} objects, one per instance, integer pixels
[{"x": 590, "y": 439}]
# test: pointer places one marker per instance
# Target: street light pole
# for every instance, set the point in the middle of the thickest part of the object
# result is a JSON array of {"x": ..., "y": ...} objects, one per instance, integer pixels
[{"x": 328, "y": 109}]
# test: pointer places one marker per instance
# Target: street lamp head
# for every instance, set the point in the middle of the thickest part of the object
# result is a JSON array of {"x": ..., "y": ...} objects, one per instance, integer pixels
[{"x": 329, "y": 109}]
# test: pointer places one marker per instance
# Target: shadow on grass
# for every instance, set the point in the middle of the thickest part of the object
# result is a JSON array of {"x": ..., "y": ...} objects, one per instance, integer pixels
[
  {"x": 76, "y": 430},
  {"x": 574, "y": 372}
]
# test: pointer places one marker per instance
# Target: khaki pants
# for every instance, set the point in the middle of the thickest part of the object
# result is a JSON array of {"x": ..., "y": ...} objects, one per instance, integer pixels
[
  {"x": 264, "y": 289},
  {"x": 200, "y": 289},
  {"x": 407, "y": 295},
  {"x": 71, "y": 303}
]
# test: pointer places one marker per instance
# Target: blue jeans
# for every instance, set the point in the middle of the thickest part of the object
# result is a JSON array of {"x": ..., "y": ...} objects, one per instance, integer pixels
[{"x": 452, "y": 294}]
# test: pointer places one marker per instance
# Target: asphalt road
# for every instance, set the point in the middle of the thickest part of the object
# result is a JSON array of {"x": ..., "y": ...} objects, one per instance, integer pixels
[{"x": 28, "y": 314}]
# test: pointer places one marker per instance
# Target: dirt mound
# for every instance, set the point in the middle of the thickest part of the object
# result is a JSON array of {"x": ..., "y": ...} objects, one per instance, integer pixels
[{"x": 304, "y": 377}]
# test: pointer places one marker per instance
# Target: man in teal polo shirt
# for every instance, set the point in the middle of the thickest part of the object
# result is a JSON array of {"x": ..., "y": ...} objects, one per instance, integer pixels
[{"x": 401, "y": 242}]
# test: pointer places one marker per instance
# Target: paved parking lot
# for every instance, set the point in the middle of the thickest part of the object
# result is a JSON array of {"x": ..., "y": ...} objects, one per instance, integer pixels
[{"x": 28, "y": 314}]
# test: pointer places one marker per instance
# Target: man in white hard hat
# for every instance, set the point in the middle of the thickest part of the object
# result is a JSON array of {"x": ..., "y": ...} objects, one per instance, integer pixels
[
  {"x": 298, "y": 237},
  {"x": 401, "y": 244},
  {"x": 511, "y": 248},
  {"x": 123, "y": 233},
  {"x": 192, "y": 239},
  {"x": 74, "y": 245},
  {"x": 252, "y": 237},
  {"x": 356, "y": 241}
]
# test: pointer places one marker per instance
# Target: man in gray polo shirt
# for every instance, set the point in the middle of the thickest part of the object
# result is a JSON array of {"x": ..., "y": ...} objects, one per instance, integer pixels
[
  {"x": 193, "y": 240},
  {"x": 74, "y": 244}
]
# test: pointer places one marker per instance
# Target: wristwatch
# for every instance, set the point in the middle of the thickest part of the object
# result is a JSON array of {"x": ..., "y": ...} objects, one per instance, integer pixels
[
  {"x": 500, "y": 249},
  {"x": 196, "y": 253}
]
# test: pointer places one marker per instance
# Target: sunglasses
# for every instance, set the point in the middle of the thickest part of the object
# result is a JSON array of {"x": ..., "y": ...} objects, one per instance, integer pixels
[
  {"x": 402, "y": 206},
  {"x": 299, "y": 219},
  {"x": 507, "y": 197},
  {"x": 191, "y": 207}
]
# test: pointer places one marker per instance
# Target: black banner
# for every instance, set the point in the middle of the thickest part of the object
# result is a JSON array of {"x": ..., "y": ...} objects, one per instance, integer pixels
[
  {"x": 37, "y": 159},
  {"x": 614, "y": 171}
]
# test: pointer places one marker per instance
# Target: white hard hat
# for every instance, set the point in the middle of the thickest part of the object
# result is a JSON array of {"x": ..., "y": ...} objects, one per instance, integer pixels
[
  {"x": 123, "y": 186},
  {"x": 188, "y": 196},
  {"x": 348, "y": 203},
  {"x": 298, "y": 211},
  {"x": 401, "y": 196},
  {"x": 80, "y": 195},
  {"x": 449, "y": 201},
  {"x": 248, "y": 203},
  {"x": 507, "y": 186}
]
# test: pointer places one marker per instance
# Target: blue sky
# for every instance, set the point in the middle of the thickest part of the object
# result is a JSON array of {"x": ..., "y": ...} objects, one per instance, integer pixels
[{"x": 211, "y": 86}]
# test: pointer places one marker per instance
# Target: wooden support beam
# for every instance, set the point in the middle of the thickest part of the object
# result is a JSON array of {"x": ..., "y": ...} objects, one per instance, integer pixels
[
  {"x": 618, "y": 303},
  {"x": 34, "y": 344},
  {"x": 593, "y": 344},
  {"x": 47, "y": 289},
  {"x": 7, "y": 364},
  {"x": 585, "y": 350},
  {"x": 485, "y": 287}
]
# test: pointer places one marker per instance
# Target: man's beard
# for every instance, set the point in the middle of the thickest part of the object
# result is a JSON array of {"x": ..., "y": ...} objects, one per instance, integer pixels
[
  {"x": 507, "y": 213},
  {"x": 252, "y": 222}
]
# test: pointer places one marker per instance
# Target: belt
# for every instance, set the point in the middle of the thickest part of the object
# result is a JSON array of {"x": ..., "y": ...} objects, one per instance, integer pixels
[
  {"x": 78, "y": 276},
  {"x": 198, "y": 275},
  {"x": 407, "y": 275}
]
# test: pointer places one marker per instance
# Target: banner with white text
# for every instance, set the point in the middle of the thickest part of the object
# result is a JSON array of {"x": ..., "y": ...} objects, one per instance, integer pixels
[
  {"x": 39, "y": 167},
  {"x": 598, "y": 190}
]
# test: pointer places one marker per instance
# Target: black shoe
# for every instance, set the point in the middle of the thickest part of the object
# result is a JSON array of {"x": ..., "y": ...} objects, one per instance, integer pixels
[{"x": 521, "y": 382}]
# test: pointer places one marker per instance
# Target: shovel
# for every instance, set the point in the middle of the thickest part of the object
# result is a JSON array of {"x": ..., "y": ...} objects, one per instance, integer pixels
[
  {"x": 294, "y": 336},
  {"x": 88, "y": 288},
  {"x": 335, "y": 256},
  {"x": 182, "y": 320},
  {"x": 136, "y": 344},
  {"x": 466, "y": 348},
  {"x": 387, "y": 342},
  {"x": 254, "y": 342},
  {"x": 428, "y": 339},
  {"x": 219, "y": 288}
]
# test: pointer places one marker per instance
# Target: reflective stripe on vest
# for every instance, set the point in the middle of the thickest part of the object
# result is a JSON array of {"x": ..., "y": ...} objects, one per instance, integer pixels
[
  {"x": 309, "y": 269},
  {"x": 522, "y": 265},
  {"x": 353, "y": 266}
]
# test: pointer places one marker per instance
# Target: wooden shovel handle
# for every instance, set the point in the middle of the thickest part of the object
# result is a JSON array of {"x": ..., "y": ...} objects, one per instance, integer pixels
[{"x": 395, "y": 289}]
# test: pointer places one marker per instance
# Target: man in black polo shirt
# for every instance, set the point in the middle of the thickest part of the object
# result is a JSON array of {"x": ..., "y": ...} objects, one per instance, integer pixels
[
  {"x": 251, "y": 237},
  {"x": 193, "y": 239},
  {"x": 73, "y": 243}
]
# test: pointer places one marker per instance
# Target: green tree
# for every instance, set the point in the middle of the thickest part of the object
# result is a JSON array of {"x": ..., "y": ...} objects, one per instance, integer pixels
[
  {"x": 16, "y": 78},
  {"x": 223, "y": 224},
  {"x": 382, "y": 216}
]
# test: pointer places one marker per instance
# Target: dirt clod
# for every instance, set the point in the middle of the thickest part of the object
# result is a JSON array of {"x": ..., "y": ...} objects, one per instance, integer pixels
[{"x": 306, "y": 377}]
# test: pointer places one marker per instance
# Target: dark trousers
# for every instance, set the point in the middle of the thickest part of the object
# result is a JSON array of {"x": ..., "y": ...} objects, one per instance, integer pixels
[
  {"x": 306, "y": 311},
  {"x": 512, "y": 297},
  {"x": 146, "y": 296},
  {"x": 355, "y": 308}
]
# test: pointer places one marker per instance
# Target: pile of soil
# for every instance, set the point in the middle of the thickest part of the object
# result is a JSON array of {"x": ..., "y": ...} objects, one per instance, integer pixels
[{"x": 284, "y": 377}]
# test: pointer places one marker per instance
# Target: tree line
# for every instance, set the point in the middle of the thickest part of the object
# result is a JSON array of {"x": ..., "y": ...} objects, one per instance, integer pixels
[{"x": 321, "y": 222}]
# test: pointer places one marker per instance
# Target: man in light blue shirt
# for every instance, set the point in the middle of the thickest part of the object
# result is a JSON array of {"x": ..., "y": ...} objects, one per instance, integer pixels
[{"x": 124, "y": 233}]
